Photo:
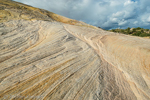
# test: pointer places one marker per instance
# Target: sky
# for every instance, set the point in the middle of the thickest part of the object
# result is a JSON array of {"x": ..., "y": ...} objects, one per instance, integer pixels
[{"x": 107, "y": 14}]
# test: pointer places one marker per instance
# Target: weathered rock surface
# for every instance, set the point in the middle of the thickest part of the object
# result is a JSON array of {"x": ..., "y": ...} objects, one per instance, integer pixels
[{"x": 44, "y": 56}]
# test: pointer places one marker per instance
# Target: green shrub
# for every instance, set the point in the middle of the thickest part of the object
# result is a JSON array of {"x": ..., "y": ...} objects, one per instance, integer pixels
[
  {"x": 122, "y": 31},
  {"x": 128, "y": 30},
  {"x": 134, "y": 30},
  {"x": 138, "y": 28},
  {"x": 113, "y": 30},
  {"x": 137, "y": 33},
  {"x": 142, "y": 31},
  {"x": 147, "y": 29},
  {"x": 144, "y": 34}
]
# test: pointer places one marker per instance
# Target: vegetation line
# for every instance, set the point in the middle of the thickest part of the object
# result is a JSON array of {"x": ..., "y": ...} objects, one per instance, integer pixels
[{"x": 133, "y": 31}]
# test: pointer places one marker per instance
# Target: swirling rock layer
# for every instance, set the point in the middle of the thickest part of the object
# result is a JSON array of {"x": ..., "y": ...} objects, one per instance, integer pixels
[{"x": 49, "y": 57}]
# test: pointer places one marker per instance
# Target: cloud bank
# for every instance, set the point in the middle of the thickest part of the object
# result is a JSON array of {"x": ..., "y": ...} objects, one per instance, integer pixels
[{"x": 106, "y": 14}]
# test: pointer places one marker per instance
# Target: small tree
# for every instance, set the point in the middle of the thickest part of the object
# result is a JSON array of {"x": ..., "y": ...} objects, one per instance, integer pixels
[
  {"x": 147, "y": 29},
  {"x": 142, "y": 31},
  {"x": 138, "y": 28},
  {"x": 128, "y": 30},
  {"x": 137, "y": 33},
  {"x": 113, "y": 30},
  {"x": 143, "y": 35},
  {"x": 134, "y": 30},
  {"x": 122, "y": 31}
]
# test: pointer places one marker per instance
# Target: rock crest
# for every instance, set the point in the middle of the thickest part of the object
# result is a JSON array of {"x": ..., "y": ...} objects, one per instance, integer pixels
[{"x": 45, "y": 56}]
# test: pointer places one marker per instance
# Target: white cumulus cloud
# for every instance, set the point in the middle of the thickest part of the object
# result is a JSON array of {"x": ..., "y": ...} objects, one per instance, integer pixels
[{"x": 106, "y": 14}]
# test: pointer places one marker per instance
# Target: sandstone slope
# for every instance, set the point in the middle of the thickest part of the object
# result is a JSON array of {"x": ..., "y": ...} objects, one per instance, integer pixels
[{"x": 45, "y": 56}]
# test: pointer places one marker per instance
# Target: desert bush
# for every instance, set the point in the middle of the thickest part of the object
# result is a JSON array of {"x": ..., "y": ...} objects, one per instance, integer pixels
[
  {"x": 138, "y": 28},
  {"x": 134, "y": 30},
  {"x": 137, "y": 33},
  {"x": 147, "y": 29},
  {"x": 113, "y": 30},
  {"x": 144, "y": 34},
  {"x": 128, "y": 30},
  {"x": 122, "y": 31},
  {"x": 142, "y": 31}
]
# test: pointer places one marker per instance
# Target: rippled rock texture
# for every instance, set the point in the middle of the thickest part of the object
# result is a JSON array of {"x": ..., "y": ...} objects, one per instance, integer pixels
[{"x": 44, "y": 56}]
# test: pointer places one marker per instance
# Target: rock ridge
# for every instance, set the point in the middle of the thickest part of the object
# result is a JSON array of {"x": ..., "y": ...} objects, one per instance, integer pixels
[{"x": 45, "y": 56}]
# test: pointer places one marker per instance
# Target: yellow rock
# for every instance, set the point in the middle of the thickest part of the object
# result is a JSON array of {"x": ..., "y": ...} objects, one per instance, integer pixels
[{"x": 45, "y": 56}]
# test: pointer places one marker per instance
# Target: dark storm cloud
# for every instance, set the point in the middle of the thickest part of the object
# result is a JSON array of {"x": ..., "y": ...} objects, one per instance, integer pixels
[{"x": 106, "y": 14}]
